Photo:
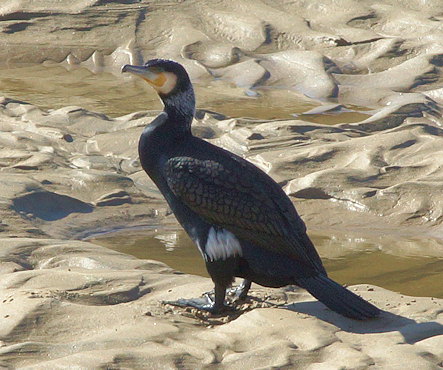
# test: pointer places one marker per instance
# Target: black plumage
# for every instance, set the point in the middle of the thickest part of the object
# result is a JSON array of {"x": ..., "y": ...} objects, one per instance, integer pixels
[{"x": 240, "y": 219}]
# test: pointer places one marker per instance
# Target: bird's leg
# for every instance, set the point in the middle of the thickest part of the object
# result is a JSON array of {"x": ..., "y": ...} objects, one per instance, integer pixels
[
  {"x": 219, "y": 299},
  {"x": 237, "y": 293},
  {"x": 205, "y": 303},
  {"x": 241, "y": 291}
]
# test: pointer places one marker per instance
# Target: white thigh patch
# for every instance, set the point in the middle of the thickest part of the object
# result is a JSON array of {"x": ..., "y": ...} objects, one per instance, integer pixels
[{"x": 221, "y": 245}]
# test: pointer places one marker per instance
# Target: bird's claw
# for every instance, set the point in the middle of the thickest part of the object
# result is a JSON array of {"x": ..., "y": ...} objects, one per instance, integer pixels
[
  {"x": 236, "y": 293},
  {"x": 205, "y": 303},
  {"x": 239, "y": 292}
]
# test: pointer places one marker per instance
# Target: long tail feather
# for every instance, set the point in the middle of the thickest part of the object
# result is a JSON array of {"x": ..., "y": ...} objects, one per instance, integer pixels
[{"x": 338, "y": 298}]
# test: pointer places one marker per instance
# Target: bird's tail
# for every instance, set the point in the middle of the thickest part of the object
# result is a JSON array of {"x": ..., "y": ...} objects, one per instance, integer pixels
[{"x": 338, "y": 298}]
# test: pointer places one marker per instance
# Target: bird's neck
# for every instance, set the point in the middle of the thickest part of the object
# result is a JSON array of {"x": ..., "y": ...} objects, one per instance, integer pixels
[{"x": 180, "y": 108}]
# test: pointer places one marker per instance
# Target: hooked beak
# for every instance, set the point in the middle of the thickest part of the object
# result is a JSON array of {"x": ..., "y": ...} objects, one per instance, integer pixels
[
  {"x": 156, "y": 79},
  {"x": 163, "y": 82}
]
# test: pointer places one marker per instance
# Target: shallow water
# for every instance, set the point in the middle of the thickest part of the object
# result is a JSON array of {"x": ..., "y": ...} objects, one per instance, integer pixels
[
  {"x": 54, "y": 86},
  {"x": 362, "y": 260},
  {"x": 348, "y": 259}
]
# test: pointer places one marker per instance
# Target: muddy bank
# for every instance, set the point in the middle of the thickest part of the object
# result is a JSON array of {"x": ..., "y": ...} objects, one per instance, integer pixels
[
  {"x": 69, "y": 172},
  {"x": 356, "y": 56},
  {"x": 384, "y": 57},
  {"x": 71, "y": 303},
  {"x": 64, "y": 170}
]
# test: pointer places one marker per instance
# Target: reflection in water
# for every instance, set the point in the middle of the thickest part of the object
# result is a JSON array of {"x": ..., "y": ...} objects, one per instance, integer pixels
[
  {"x": 169, "y": 240},
  {"x": 349, "y": 260}
]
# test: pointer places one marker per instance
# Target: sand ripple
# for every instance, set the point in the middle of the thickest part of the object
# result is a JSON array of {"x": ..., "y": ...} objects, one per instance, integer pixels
[
  {"x": 70, "y": 302},
  {"x": 69, "y": 172}
]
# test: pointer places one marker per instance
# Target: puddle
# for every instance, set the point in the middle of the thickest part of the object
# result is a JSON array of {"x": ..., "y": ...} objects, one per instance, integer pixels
[
  {"x": 53, "y": 87},
  {"x": 348, "y": 259}
]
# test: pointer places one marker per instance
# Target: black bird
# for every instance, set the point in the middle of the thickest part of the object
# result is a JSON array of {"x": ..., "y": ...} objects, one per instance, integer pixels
[{"x": 240, "y": 219}]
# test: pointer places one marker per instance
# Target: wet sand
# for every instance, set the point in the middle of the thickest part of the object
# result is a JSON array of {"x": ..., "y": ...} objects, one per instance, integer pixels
[{"x": 345, "y": 105}]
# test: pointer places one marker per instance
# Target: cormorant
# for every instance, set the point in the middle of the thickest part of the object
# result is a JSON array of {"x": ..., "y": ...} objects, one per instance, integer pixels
[{"x": 240, "y": 219}]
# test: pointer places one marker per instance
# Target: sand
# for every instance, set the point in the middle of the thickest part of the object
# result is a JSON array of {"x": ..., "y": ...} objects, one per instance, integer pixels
[
  {"x": 69, "y": 303},
  {"x": 70, "y": 173}
]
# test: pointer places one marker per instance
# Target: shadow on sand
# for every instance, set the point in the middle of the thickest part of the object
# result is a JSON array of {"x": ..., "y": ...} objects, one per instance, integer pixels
[{"x": 411, "y": 330}]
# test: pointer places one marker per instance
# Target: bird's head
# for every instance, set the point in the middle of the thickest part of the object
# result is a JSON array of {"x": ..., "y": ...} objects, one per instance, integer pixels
[
  {"x": 165, "y": 76},
  {"x": 172, "y": 83}
]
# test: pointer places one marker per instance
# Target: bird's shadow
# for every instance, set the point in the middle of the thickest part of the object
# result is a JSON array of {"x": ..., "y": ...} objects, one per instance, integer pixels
[{"x": 411, "y": 330}]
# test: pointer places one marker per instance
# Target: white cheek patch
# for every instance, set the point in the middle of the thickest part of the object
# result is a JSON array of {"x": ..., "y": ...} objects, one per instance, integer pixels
[
  {"x": 169, "y": 84},
  {"x": 221, "y": 245}
]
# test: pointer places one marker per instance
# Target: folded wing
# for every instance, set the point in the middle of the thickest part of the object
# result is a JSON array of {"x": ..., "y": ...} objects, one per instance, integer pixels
[{"x": 240, "y": 198}]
